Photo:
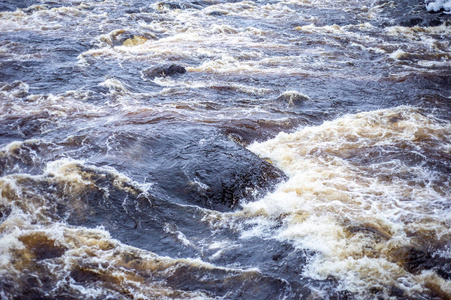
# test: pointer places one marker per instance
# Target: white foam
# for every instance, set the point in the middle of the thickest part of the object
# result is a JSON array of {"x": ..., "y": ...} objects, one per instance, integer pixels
[
  {"x": 438, "y": 5},
  {"x": 397, "y": 54},
  {"x": 114, "y": 85},
  {"x": 8, "y": 243},
  {"x": 357, "y": 214},
  {"x": 94, "y": 250}
]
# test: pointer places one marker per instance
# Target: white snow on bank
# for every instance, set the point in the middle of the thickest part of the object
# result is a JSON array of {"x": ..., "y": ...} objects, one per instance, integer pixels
[{"x": 437, "y": 5}]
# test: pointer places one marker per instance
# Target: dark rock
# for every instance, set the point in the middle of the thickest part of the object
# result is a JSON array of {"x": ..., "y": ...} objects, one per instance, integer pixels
[
  {"x": 182, "y": 5},
  {"x": 217, "y": 13},
  {"x": 169, "y": 5},
  {"x": 164, "y": 71},
  {"x": 174, "y": 69}
]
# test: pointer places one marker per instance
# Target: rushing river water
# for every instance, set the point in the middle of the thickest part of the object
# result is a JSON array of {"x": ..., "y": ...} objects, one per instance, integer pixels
[{"x": 211, "y": 149}]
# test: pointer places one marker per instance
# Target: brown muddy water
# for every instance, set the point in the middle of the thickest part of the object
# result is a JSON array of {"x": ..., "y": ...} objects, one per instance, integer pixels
[{"x": 286, "y": 149}]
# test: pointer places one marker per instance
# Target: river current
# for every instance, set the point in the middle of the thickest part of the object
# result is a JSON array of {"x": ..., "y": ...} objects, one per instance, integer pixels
[{"x": 210, "y": 149}]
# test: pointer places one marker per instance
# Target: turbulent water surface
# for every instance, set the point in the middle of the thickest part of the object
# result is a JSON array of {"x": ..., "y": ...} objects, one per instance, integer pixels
[{"x": 211, "y": 149}]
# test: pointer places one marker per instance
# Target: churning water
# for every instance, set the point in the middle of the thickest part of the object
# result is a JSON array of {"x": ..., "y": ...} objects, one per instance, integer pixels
[{"x": 210, "y": 149}]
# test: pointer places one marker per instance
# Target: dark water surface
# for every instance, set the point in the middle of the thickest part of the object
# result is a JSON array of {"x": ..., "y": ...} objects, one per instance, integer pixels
[{"x": 225, "y": 150}]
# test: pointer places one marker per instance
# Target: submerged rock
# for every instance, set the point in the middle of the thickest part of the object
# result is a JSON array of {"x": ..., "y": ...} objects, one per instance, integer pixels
[
  {"x": 292, "y": 98},
  {"x": 204, "y": 167},
  {"x": 134, "y": 41},
  {"x": 123, "y": 37}
]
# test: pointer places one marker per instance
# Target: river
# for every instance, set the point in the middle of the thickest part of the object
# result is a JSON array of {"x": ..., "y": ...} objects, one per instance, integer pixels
[{"x": 211, "y": 149}]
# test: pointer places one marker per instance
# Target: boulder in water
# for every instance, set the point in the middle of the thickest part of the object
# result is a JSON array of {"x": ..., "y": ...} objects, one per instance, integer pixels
[{"x": 164, "y": 71}]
